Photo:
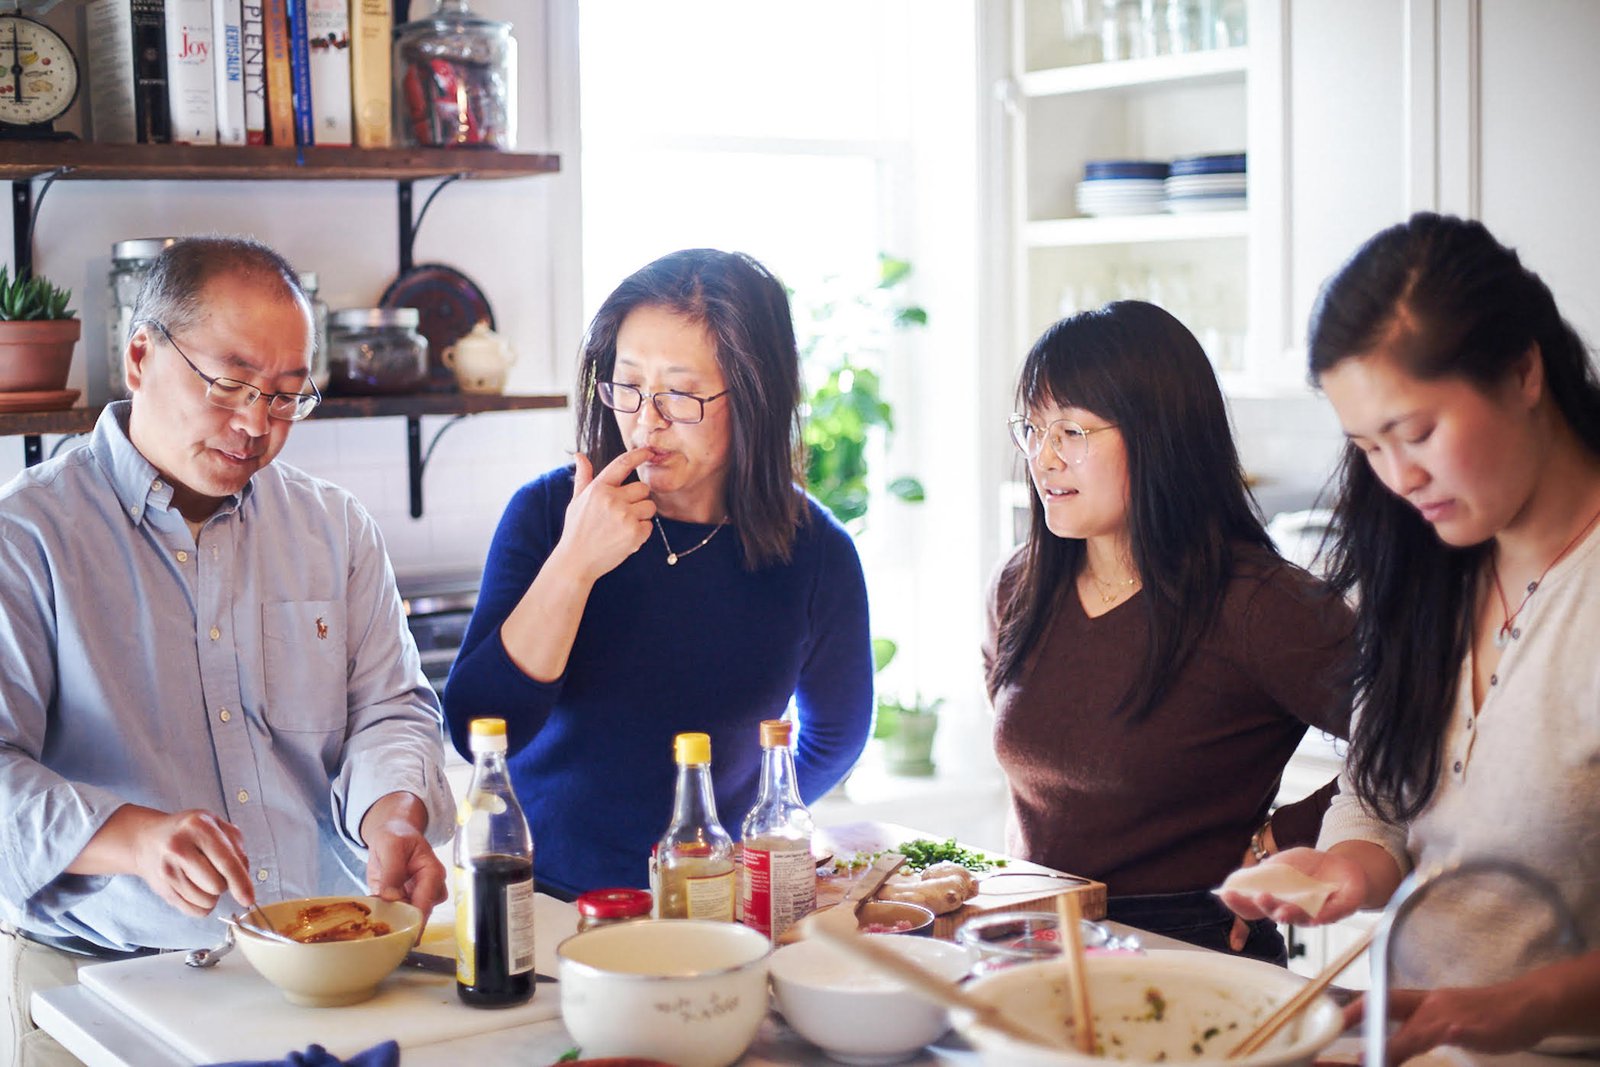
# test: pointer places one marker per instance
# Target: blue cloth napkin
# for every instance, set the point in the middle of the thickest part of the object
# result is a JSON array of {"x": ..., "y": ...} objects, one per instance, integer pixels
[{"x": 384, "y": 1055}]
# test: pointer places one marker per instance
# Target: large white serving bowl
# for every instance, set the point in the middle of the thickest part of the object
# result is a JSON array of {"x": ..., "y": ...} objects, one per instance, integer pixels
[
  {"x": 853, "y": 1013},
  {"x": 687, "y": 991},
  {"x": 1200, "y": 992},
  {"x": 334, "y": 973}
]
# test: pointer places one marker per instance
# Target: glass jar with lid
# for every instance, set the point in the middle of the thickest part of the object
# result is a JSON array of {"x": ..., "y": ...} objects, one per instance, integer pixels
[
  {"x": 603, "y": 907},
  {"x": 130, "y": 262},
  {"x": 455, "y": 77},
  {"x": 319, "y": 329},
  {"x": 376, "y": 351}
]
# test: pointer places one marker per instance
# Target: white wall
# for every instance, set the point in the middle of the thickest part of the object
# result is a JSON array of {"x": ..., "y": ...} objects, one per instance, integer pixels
[{"x": 518, "y": 239}]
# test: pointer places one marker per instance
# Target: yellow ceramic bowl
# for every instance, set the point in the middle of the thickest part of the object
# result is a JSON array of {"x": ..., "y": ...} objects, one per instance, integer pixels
[{"x": 332, "y": 973}]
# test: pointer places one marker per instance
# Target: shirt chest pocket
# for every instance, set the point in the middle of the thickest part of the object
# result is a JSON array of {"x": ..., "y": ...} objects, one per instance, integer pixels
[{"x": 303, "y": 653}]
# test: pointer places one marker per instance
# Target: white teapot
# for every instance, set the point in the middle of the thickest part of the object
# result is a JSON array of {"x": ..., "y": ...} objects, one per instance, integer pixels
[{"x": 480, "y": 360}]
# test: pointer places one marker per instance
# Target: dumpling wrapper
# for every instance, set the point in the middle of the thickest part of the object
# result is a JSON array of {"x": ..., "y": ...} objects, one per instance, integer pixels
[{"x": 1284, "y": 882}]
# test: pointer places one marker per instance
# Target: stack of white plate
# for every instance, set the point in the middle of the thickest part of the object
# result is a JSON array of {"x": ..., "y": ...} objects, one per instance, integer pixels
[
  {"x": 1122, "y": 187},
  {"x": 1207, "y": 183}
]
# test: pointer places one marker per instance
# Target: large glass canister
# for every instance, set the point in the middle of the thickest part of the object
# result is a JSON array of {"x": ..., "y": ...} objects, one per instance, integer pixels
[
  {"x": 319, "y": 321},
  {"x": 456, "y": 79},
  {"x": 375, "y": 351},
  {"x": 130, "y": 262}
]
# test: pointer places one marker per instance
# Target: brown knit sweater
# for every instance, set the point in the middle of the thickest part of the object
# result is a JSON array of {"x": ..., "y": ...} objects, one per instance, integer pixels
[{"x": 1168, "y": 804}]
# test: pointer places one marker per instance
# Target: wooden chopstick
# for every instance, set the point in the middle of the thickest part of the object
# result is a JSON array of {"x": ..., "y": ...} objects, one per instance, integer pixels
[
  {"x": 1300, "y": 1001},
  {"x": 931, "y": 985},
  {"x": 1070, "y": 915}
]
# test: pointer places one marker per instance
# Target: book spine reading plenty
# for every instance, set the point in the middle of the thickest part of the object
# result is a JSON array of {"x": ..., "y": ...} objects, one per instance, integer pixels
[
  {"x": 108, "y": 28},
  {"x": 328, "y": 43},
  {"x": 371, "y": 85},
  {"x": 300, "y": 73},
  {"x": 280, "y": 79},
  {"x": 253, "y": 44},
  {"x": 191, "y": 88},
  {"x": 228, "y": 69}
]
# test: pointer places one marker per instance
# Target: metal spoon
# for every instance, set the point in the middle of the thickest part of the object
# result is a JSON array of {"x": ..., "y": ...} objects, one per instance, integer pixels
[
  {"x": 208, "y": 957},
  {"x": 238, "y": 922}
]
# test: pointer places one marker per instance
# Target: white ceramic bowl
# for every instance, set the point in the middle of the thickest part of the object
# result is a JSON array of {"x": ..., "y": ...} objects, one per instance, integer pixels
[
  {"x": 688, "y": 991},
  {"x": 334, "y": 973},
  {"x": 851, "y": 1012},
  {"x": 1201, "y": 992}
]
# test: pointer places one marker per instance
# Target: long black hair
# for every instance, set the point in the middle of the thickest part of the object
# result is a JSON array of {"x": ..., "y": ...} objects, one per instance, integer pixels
[
  {"x": 1445, "y": 300},
  {"x": 1139, "y": 368},
  {"x": 746, "y": 310}
]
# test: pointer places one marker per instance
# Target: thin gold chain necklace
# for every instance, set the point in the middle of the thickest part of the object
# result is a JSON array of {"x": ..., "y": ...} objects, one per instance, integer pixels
[
  {"x": 1508, "y": 631},
  {"x": 1117, "y": 588},
  {"x": 674, "y": 557}
]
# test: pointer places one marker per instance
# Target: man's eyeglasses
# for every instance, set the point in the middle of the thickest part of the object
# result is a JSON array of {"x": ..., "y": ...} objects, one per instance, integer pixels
[
  {"x": 235, "y": 395},
  {"x": 674, "y": 407},
  {"x": 1069, "y": 440}
]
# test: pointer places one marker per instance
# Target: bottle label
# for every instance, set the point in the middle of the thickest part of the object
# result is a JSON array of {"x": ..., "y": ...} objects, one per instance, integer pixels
[
  {"x": 466, "y": 948},
  {"x": 710, "y": 896},
  {"x": 780, "y": 889},
  {"x": 519, "y": 927}
]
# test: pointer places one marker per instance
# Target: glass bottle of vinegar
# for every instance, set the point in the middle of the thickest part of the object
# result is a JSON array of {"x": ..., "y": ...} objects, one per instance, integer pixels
[
  {"x": 494, "y": 881},
  {"x": 693, "y": 868},
  {"x": 779, "y": 887}
]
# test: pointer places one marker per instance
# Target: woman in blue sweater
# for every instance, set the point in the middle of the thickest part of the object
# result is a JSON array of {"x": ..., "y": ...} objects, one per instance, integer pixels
[{"x": 675, "y": 578}]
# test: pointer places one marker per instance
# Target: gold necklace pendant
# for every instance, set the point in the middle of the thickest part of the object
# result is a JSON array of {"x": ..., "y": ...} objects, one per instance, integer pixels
[{"x": 674, "y": 557}]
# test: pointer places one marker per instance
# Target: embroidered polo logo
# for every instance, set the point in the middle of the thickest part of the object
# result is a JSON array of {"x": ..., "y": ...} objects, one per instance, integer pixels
[{"x": 322, "y": 629}]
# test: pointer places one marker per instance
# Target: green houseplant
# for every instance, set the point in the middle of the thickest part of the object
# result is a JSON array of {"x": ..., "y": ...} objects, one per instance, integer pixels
[
  {"x": 906, "y": 729},
  {"x": 38, "y": 333}
]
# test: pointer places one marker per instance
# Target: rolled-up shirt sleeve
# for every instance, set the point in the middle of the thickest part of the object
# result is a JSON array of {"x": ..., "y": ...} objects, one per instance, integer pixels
[{"x": 1348, "y": 820}]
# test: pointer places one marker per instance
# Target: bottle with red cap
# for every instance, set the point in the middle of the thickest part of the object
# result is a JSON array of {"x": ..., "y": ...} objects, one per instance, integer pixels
[
  {"x": 779, "y": 887},
  {"x": 605, "y": 907}
]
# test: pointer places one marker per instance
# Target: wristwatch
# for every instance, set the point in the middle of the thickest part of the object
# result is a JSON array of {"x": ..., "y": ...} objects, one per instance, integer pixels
[{"x": 1258, "y": 841}]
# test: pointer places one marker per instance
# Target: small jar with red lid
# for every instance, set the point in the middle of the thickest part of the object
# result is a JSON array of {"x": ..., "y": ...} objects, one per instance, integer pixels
[{"x": 603, "y": 907}]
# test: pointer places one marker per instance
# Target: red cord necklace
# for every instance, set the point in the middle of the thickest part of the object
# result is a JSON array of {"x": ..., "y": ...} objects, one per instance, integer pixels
[{"x": 1507, "y": 632}]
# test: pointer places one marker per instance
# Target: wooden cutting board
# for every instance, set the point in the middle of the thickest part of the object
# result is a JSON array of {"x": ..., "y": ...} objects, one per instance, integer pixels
[
  {"x": 1018, "y": 886},
  {"x": 229, "y": 1012}
]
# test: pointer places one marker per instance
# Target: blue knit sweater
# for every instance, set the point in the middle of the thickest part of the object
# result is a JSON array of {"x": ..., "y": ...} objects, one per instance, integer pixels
[{"x": 704, "y": 645}]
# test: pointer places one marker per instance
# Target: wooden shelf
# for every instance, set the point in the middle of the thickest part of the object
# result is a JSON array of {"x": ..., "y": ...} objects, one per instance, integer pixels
[
  {"x": 1190, "y": 68},
  {"x": 32, "y": 425},
  {"x": 81, "y": 160}
]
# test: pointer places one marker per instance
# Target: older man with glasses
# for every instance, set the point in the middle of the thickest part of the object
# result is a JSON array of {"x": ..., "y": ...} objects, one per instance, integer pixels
[{"x": 210, "y": 694}]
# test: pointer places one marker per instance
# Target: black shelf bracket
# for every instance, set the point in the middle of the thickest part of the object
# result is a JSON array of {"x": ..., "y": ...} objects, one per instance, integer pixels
[
  {"x": 409, "y": 223},
  {"x": 417, "y": 457},
  {"x": 25, "y": 215},
  {"x": 32, "y": 449}
]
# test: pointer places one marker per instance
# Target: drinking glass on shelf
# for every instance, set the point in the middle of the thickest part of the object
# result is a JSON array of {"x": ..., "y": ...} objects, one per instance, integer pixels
[
  {"x": 1153, "y": 27},
  {"x": 1185, "y": 20},
  {"x": 1081, "y": 24},
  {"x": 1228, "y": 24},
  {"x": 1120, "y": 35}
]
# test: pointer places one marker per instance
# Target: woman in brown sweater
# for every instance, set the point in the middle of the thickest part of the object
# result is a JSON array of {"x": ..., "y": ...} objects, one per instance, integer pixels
[{"x": 1152, "y": 661}]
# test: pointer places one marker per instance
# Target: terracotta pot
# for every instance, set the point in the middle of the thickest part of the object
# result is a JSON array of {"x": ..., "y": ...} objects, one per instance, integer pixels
[{"x": 36, "y": 355}]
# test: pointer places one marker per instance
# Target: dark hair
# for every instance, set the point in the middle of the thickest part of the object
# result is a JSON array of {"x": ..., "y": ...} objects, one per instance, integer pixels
[
  {"x": 171, "y": 291},
  {"x": 1444, "y": 299},
  {"x": 1139, "y": 368},
  {"x": 746, "y": 310}
]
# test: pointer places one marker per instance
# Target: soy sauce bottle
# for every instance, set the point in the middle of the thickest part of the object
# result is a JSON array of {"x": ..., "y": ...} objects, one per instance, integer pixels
[{"x": 494, "y": 881}]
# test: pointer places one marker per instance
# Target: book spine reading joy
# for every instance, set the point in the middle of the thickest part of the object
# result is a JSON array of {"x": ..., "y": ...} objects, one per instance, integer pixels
[
  {"x": 328, "y": 41},
  {"x": 371, "y": 88},
  {"x": 108, "y": 27},
  {"x": 280, "y": 80},
  {"x": 191, "y": 88},
  {"x": 253, "y": 43},
  {"x": 300, "y": 73},
  {"x": 152, "y": 120},
  {"x": 228, "y": 69}
]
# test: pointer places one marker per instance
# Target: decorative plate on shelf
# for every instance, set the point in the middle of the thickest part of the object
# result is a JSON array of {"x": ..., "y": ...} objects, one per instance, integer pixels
[
  {"x": 449, "y": 305},
  {"x": 41, "y": 400}
]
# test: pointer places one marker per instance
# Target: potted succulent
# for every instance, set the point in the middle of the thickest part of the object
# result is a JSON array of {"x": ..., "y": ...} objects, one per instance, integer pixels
[
  {"x": 906, "y": 729},
  {"x": 37, "y": 334}
]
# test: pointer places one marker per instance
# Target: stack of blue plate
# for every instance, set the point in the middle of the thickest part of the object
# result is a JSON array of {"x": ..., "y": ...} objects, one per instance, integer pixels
[
  {"x": 1122, "y": 187},
  {"x": 1206, "y": 183}
]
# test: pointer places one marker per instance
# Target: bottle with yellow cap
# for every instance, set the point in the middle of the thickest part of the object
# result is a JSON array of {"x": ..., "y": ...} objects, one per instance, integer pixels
[
  {"x": 494, "y": 880},
  {"x": 693, "y": 872},
  {"x": 779, "y": 885}
]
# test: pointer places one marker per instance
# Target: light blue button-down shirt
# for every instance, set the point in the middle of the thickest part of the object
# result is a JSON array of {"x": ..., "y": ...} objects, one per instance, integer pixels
[{"x": 261, "y": 670}]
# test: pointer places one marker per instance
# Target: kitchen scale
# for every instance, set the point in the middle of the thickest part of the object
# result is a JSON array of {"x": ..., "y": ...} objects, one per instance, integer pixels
[{"x": 38, "y": 80}]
